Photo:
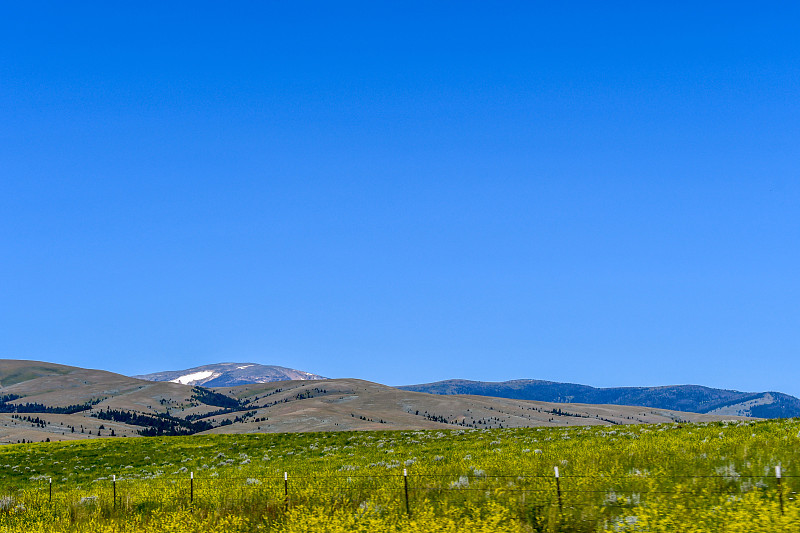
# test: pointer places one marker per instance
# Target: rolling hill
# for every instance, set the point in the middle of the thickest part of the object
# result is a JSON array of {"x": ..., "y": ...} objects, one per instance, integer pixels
[
  {"x": 40, "y": 401},
  {"x": 688, "y": 398}
]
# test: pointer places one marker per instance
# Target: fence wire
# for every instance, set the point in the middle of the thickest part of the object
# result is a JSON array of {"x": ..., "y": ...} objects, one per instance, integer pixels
[{"x": 286, "y": 486}]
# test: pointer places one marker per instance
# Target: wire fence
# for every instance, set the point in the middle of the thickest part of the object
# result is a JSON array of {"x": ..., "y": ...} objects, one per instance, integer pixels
[{"x": 408, "y": 489}]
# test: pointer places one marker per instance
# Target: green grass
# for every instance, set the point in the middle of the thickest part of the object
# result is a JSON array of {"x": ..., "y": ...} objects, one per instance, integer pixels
[{"x": 609, "y": 474}]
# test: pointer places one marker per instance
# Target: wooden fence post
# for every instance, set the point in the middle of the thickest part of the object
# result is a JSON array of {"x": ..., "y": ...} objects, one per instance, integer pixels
[
  {"x": 114, "y": 483},
  {"x": 558, "y": 492},
  {"x": 191, "y": 487},
  {"x": 780, "y": 488},
  {"x": 286, "y": 489},
  {"x": 405, "y": 485}
]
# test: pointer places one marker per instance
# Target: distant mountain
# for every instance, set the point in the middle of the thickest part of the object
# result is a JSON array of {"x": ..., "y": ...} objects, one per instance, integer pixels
[
  {"x": 42, "y": 401},
  {"x": 230, "y": 375},
  {"x": 689, "y": 398}
]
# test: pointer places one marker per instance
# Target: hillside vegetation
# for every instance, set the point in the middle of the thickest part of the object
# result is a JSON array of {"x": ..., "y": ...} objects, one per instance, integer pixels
[
  {"x": 55, "y": 403},
  {"x": 666, "y": 477}
]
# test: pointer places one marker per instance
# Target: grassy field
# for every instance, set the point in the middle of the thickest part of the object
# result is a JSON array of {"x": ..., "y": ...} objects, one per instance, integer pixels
[{"x": 668, "y": 477}]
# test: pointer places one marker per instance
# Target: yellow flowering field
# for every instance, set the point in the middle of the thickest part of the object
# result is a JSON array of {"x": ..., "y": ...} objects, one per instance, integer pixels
[{"x": 669, "y": 477}]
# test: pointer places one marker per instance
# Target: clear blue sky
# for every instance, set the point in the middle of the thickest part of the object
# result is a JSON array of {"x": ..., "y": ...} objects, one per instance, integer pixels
[{"x": 405, "y": 192}]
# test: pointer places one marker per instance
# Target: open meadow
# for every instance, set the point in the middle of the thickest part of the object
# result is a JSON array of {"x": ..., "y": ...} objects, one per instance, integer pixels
[{"x": 667, "y": 477}]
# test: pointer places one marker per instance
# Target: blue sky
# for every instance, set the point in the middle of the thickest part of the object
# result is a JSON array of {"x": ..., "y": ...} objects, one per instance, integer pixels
[{"x": 405, "y": 192}]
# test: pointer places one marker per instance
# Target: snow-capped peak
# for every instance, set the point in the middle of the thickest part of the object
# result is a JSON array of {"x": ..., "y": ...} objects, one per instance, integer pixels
[{"x": 230, "y": 374}]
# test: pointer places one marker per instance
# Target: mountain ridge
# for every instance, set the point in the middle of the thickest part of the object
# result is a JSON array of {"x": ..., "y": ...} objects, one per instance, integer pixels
[
  {"x": 230, "y": 374},
  {"x": 686, "y": 398},
  {"x": 50, "y": 402}
]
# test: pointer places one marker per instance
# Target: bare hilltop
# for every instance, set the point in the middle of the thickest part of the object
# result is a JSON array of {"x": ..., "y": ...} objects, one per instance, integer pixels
[{"x": 42, "y": 401}]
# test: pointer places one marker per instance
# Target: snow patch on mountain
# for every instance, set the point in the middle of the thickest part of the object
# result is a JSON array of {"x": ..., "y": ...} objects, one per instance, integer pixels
[{"x": 191, "y": 379}]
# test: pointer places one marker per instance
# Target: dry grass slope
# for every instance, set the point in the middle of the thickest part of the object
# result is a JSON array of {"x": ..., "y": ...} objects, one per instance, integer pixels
[{"x": 279, "y": 407}]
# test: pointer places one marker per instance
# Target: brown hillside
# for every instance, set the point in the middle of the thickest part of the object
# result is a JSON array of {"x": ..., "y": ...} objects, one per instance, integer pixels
[{"x": 287, "y": 406}]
